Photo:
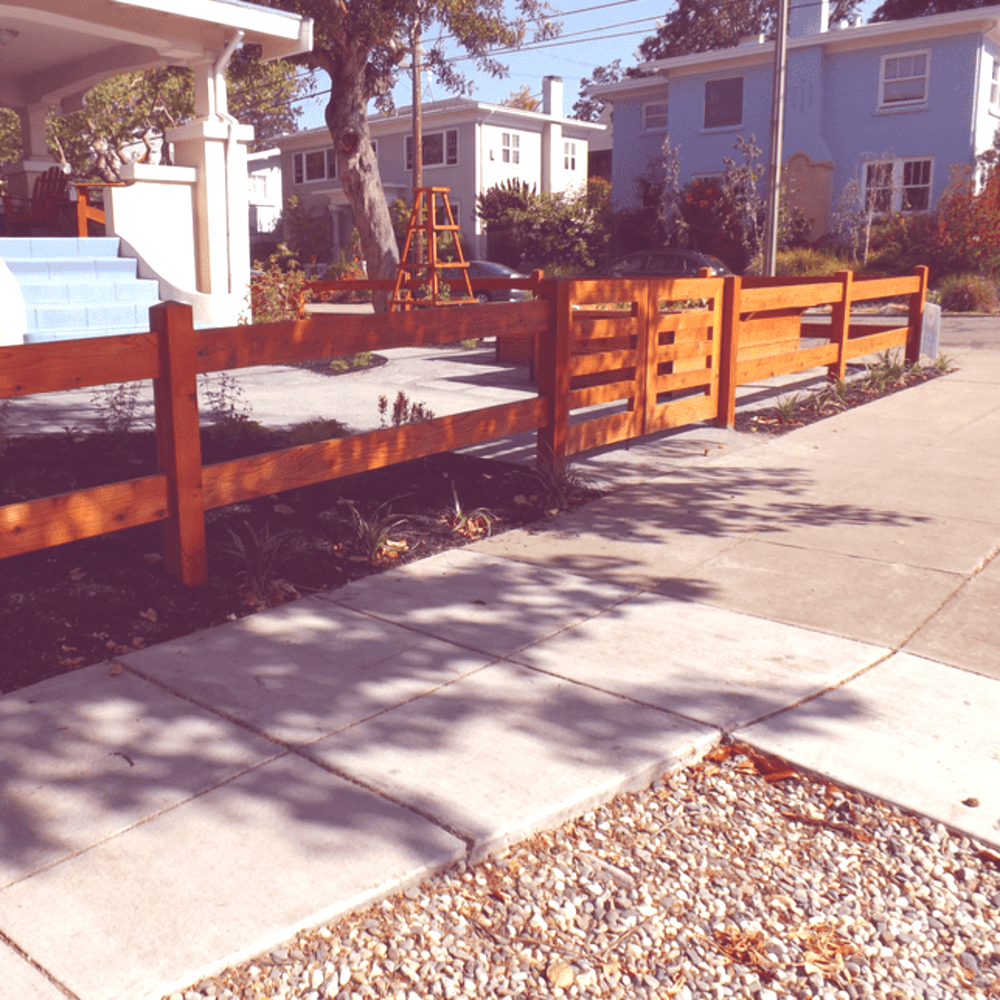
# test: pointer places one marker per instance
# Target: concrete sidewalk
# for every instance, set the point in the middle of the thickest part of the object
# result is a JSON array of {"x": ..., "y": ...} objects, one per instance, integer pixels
[{"x": 828, "y": 596}]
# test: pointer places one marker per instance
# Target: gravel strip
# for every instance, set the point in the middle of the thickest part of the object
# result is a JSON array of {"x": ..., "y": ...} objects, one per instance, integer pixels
[{"x": 736, "y": 877}]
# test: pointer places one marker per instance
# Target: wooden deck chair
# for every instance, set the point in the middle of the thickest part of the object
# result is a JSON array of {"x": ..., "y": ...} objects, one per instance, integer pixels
[{"x": 49, "y": 195}]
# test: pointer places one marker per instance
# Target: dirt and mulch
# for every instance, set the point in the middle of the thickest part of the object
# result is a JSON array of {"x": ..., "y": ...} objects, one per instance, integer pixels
[{"x": 72, "y": 605}]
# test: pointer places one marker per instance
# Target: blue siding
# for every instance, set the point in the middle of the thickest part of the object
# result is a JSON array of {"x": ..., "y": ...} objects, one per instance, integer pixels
[{"x": 832, "y": 114}]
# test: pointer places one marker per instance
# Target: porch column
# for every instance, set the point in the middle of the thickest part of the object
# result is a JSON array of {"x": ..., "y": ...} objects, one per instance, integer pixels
[
  {"x": 215, "y": 145},
  {"x": 35, "y": 156}
]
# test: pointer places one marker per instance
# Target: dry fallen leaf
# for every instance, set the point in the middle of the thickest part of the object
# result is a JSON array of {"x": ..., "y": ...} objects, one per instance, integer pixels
[
  {"x": 75, "y": 662},
  {"x": 116, "y": 669},
  {"x": 138, "y": 641},
  {"x": 283, "y": 508},
  {"x": 149, "y": 615}
]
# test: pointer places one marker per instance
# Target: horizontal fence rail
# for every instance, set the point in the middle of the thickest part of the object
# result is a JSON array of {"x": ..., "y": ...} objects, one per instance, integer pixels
[{"x": 615, "y": 360}]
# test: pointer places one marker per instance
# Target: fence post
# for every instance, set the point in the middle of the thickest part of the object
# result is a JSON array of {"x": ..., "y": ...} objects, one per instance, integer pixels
[
  {"x": 916, "y": 319},
  {"x": 840, "y": 325},
  {"x": 554, "y": 353},
  {"x": 732, "y": 291},
  {"x": 178, "y": 444}
]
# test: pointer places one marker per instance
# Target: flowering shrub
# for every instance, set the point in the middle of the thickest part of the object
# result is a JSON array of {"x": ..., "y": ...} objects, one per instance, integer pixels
[{"x": 276, "y": 293}]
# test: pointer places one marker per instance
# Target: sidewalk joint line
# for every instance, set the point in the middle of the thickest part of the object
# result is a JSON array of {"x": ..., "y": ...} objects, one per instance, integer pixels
[{"x": 40, "y": 969}]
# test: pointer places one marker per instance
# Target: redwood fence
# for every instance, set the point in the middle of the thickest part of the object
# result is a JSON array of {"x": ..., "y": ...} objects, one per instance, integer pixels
[{"x": 615, "y": 359}]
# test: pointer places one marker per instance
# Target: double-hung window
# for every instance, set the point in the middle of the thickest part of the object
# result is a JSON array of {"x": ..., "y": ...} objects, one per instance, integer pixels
[
  {"x": 316, "y": 165},
  {"x": 654, "y": 116},
  {"x": 724, "y": 102},
  {"x": 510, "y": 151},
  {"x": 439, "y": 149},
  {"x": 995, "y": 87},
  {"x": 569, "y": 156},
  {"x": 904, "y": 79},
  {"x": 898, "y": 185}
]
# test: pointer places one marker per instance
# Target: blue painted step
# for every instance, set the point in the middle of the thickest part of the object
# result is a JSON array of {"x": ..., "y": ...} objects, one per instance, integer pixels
[{"x": 78, "y": 287}]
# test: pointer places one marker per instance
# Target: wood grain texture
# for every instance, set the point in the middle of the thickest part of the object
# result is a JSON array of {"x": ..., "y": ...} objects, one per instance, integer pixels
[
  {"x": 77, "y": 364},
  {"x": 68, "y": 517}
]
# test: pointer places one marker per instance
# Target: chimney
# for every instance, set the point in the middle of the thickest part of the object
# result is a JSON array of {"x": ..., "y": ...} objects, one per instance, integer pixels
[
  {"x": 552, "y": 96},
  {"x": 806, "y": 17}
]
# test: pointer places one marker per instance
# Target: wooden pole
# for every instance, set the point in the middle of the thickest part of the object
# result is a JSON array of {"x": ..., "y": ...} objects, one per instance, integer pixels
[
  {"x": 840, "y": 325},
  {"x": 178, "y": 444},
  {"x": 554, "y": 352},
  {"x": 916, "y": 318},
  {"x": 729, "y": 352}
]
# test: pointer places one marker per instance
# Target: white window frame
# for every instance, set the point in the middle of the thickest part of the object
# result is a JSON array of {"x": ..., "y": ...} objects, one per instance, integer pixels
[
  {"x": 300, "y": 166},
  {"x": 995, "y": 88},
  {"x": 510, "y": 147},
  {"x": 890, "y": 65},
  {"x": 726, "y": 125},
  {"x": 892, "y": 182},
  {"x": 650, "y": 110},
  {"x": 569, "y": 155},
  {"x": 449, "y": 149}
]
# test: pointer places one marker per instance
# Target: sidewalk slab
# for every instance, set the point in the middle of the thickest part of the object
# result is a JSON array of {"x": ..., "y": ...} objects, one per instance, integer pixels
[
  {"x": 877, "y": 602},
  {"x": 87, "y": 755},
  {"x": 708, "y": 664},
  {"x": 20, "y": 981},
  {"x": 303, "y": 670},
  {"x": 911, "y": 731},
  {"x": 507, "y": 751},
  {"x": 965, "y": 632},
  {"x": 217, "y": 880},
  {"x": 466, "y": 597}
]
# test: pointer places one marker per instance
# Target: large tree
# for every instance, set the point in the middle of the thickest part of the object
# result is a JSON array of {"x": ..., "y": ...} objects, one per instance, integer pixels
[
  {"x": 361, "y": 45},
  {"x": 124, "y": 118},
  {"x": 899, "y": 10},
  {"x": 700, "y": 26}
]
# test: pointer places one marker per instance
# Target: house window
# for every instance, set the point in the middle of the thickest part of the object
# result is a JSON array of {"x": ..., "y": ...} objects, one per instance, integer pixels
[
  {"x": 441, "y": 217},
  {"x": 995, "y": 87},
  {"x": 511, "y": 147},
  {"x": 654, "y": 116},
  {"x": 898, "y": 186},
  {"x": 724, "y": 102},
  {"x": 904, "y": 79},
  {"x": 439, "y": 149},
  {"x": 569, "y": 156},
  {"x": 316, "y": 165}
]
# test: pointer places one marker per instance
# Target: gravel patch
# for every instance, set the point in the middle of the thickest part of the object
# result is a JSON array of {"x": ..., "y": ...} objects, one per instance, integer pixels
[{"x": 735, "y": 878}]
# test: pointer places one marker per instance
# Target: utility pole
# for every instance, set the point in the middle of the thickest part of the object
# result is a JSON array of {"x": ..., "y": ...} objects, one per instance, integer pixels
[
  {"x": 418, "y": 126},
  {"x": 777, "y": 137}
]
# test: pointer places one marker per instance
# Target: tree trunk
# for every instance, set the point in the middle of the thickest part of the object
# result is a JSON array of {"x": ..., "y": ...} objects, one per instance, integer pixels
[{"x": 357, "y": 168}]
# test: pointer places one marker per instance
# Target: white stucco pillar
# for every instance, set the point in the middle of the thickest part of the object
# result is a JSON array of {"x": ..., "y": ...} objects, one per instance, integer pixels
[{"x": 552, "y": 134}]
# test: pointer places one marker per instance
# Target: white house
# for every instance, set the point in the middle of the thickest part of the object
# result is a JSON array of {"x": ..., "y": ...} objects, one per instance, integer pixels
[
  {"x": 468, "y": 146},
  {"x": 185, "y": 224}
]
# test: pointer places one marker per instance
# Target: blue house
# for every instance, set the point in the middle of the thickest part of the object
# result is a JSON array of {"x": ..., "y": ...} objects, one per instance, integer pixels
[{"x": 891, "y": 106}]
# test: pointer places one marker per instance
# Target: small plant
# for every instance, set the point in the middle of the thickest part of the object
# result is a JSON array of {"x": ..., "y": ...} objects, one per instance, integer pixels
[
  {"x": 261, "y": 555},
  {"x": 471, "y": 523},
  {"x": 561, "y": 486},
  {"x": 362, "y": 359},
  {"x": 404, "y": 411},
  {"x": 968, "y": 293},
  {"x": 226, "y": 400},
  {"x": 787, "y": 407},
  {"x": 116, "y": 408},
  {"x": 942, "y": 364},
  {"x": 340, "y": 365},
  {"x": 889, "y": 371},
  {"x": 277, "y": 292},
  {"x": 311, "y": 431},
  {"x": 470, "y": 344},
  {"x": 372, "y": 530}
]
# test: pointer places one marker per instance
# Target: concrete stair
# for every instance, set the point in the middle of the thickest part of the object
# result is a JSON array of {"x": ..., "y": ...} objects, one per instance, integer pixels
[{"x": 78, "y": 287}]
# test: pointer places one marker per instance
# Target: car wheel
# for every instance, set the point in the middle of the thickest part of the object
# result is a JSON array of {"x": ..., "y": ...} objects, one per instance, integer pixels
[{"x": 482, "y": 298}]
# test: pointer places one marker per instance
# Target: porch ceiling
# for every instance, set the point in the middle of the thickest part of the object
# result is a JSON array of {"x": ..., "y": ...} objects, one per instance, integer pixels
[{"x": 53, "y": 51}]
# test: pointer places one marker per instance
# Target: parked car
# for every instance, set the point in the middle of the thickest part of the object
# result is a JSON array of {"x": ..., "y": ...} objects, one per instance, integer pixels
[
  {"x": 491, "y": 269},
  {"x": 662, "y": 264}
]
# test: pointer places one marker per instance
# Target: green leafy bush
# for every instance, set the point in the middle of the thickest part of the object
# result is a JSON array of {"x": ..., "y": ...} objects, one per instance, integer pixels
[{"x": 968, "y": 293}]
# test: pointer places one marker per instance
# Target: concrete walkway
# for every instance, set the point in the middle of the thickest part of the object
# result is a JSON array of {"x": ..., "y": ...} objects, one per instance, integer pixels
[{"x": 831, "y": 596}]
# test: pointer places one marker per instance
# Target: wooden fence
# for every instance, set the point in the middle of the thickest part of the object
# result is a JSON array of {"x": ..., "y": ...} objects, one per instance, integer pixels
[{"x": 615, "y": 360}]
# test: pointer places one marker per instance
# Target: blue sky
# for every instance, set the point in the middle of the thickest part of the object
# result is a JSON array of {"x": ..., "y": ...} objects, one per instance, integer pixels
[{"x": 600, "y": 33}]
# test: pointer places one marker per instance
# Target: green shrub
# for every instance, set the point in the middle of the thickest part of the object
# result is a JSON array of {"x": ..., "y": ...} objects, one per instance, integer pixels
[
  {"x": 315, "y": 430},
  {"x": 968, "y": 293},
  {"x": 806, "y": 261}
]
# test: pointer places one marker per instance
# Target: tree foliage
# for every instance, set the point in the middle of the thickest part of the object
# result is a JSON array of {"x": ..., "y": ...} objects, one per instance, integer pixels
[
  {"x": 701, "y": 26},
  {"x": 900, "y": 10},
  {"x": 361, "y": 45},
  {"x": 521, "y": 98},
  {"x": 568, "y": 229},
  {"x": 124, "y": 118}
]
